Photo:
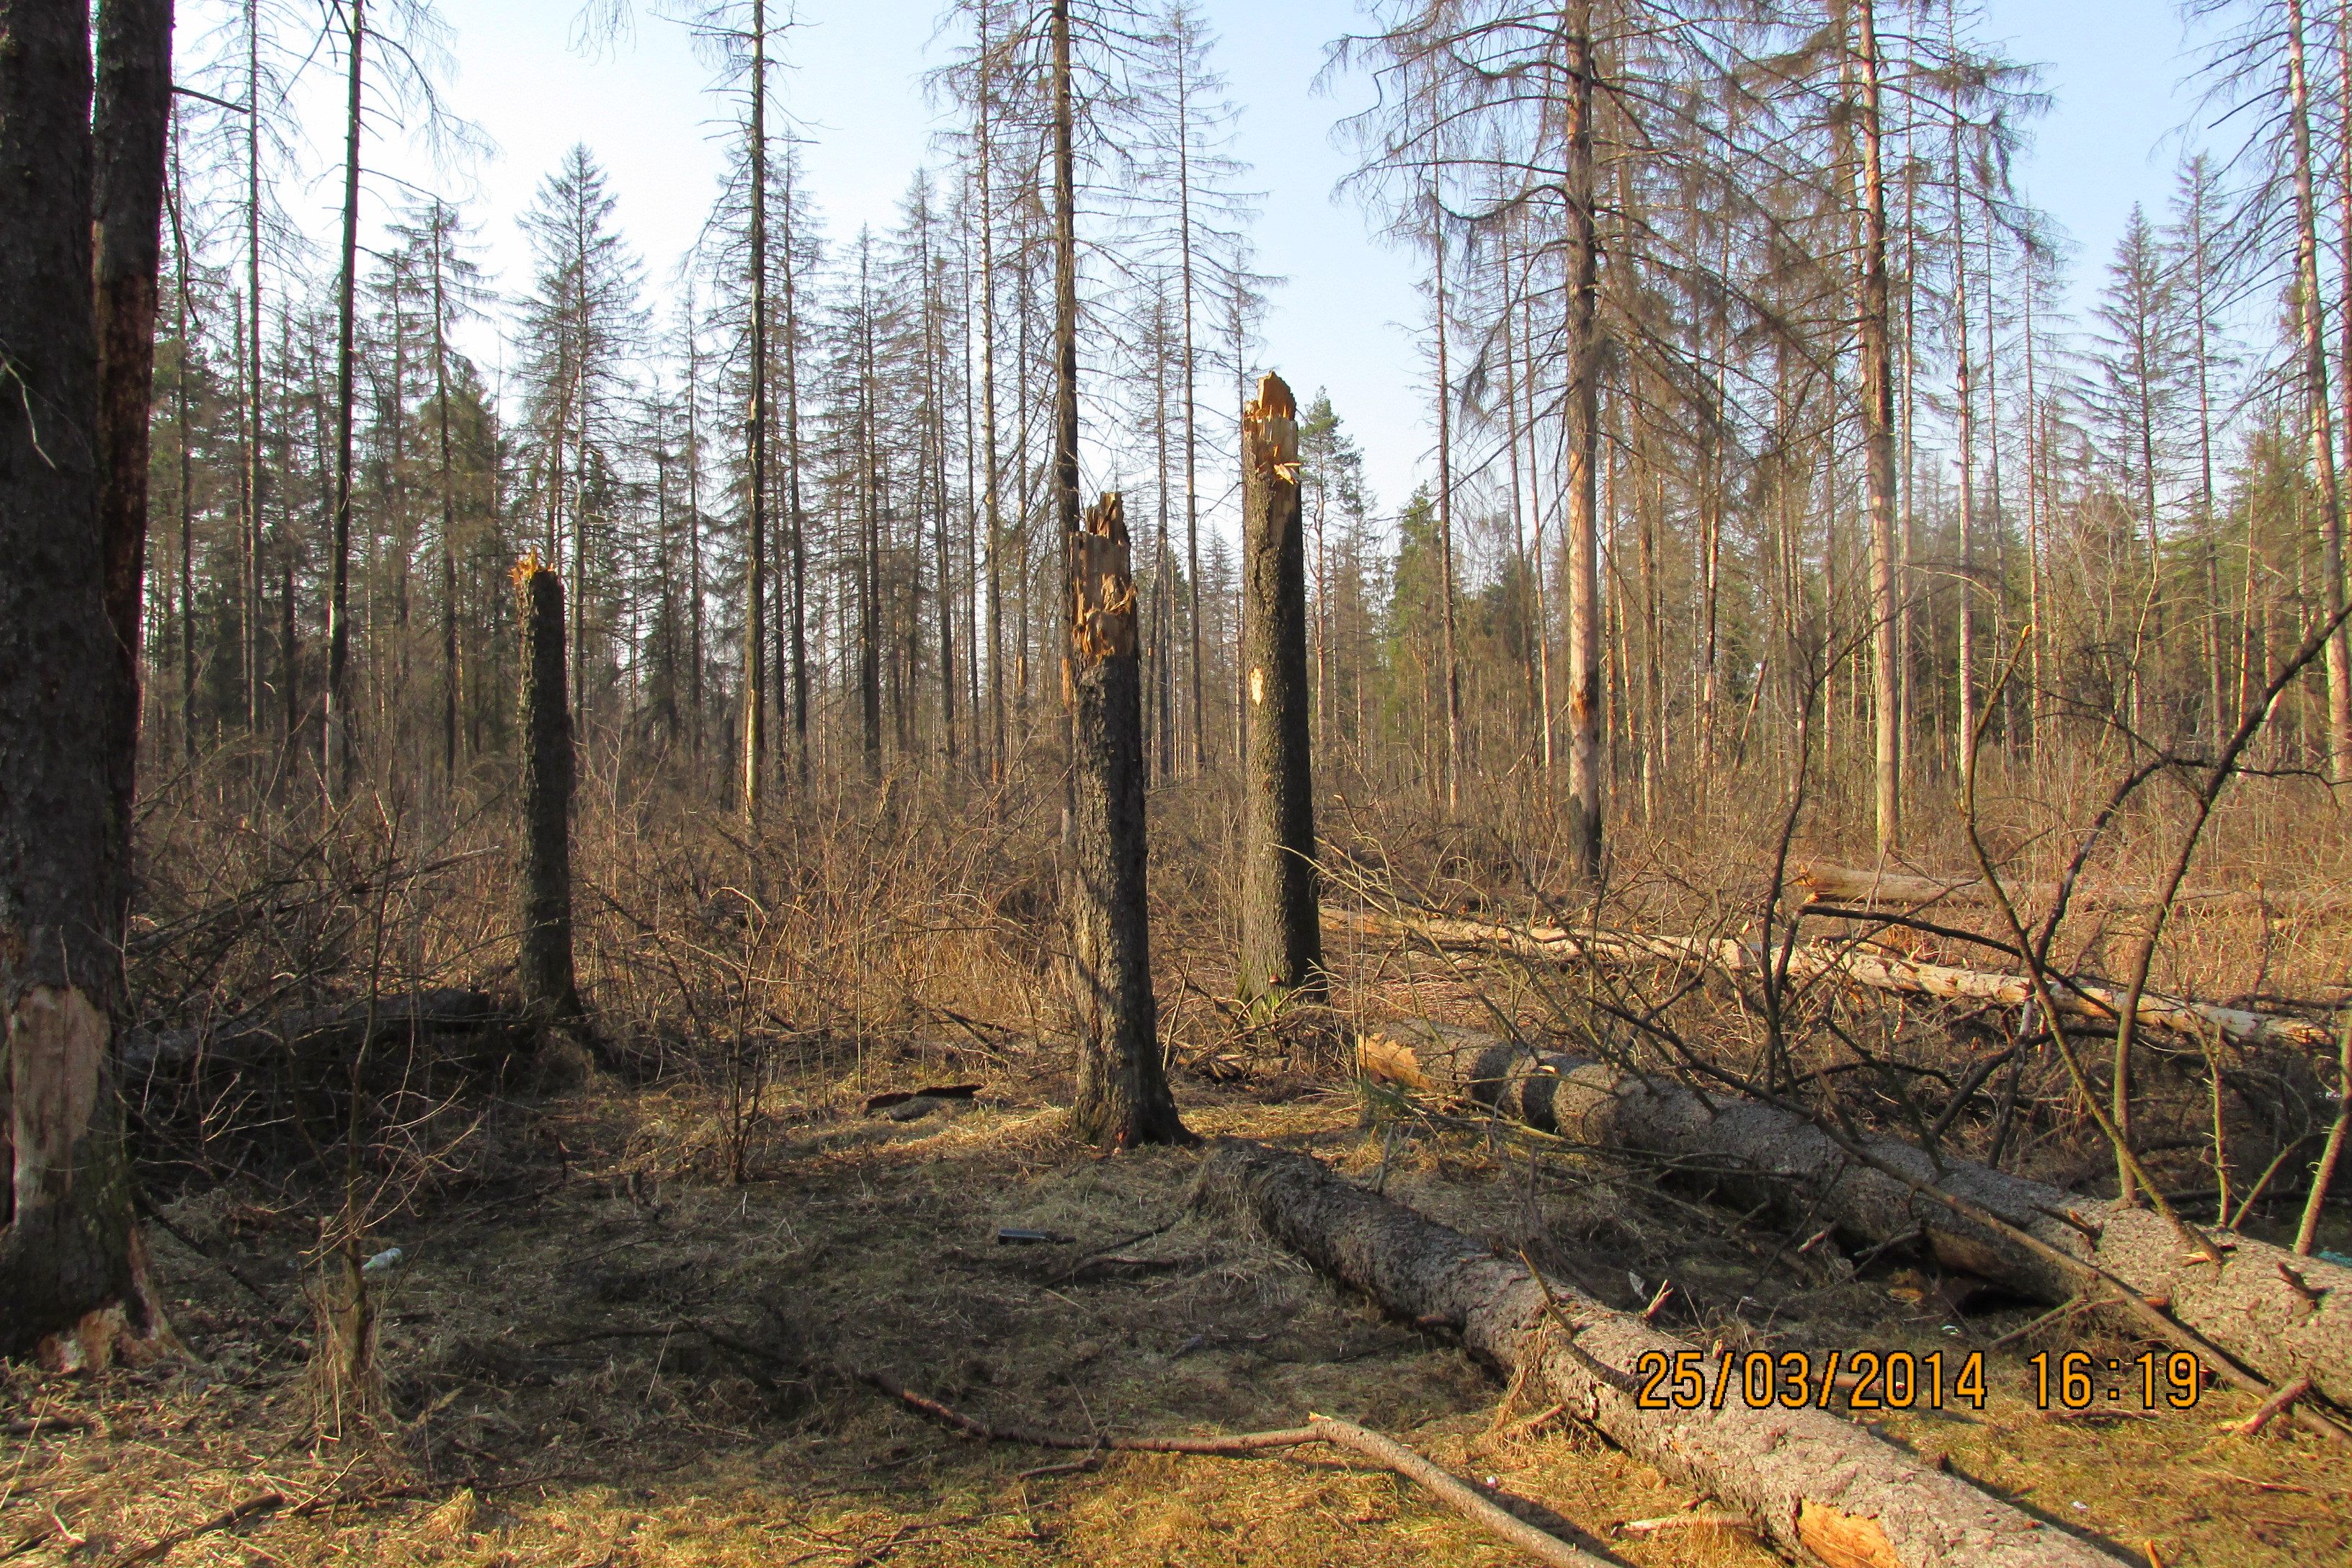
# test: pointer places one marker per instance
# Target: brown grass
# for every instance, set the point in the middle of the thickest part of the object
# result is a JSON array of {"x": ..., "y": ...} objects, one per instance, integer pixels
[{"x": 623, "y": 1330}]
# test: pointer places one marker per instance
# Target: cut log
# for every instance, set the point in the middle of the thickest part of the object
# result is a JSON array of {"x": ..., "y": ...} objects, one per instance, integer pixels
[
  {"x": 308, "y": 1033},
  {"x": 1817, "y": 1485},
  {"x": 2286, "y": 1316},
  {"x": 1877, "y": 971},
  {"x": 1827, "y": 883}
]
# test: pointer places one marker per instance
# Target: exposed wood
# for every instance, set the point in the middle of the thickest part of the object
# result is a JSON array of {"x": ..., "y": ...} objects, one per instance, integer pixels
[
  {"x": 1881, "y": 972},
  {"x": 1463, "y": 1499},
  {"x": 1816, "y": 1485},
  {"x": 2253, "y": 1305},
  {"x": 328, "y": 1034},
  {"x": 1281, "y": 937}
]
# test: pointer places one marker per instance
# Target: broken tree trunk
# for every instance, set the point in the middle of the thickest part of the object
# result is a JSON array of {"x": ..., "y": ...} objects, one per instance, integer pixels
[
  {"x": 1282, "y": 935},
  {"x": 1122, "y": 1093},
  {"x": 551, "y": 993},
  {"x": 2284, "y": 1315},
  {"x": 446, "y": 1017},
  {"x": 1816, "y": 1484},
  {"x": 2077, "y": 998},
  {"x": 72, "y": 1274}
]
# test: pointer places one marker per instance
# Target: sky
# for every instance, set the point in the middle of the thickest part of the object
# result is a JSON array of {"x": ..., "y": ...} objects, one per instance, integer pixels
[{"x": 1343, "y": 317}]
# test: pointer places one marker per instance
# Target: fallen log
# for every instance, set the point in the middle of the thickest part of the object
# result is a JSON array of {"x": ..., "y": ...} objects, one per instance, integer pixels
[
  {"x": 1817, "y": 1485},
  {"x": 330, "y": 1033},
  {"x": 2284, "y": 1315},
  {"x": 1825, "y": 883},
  {"x": 1881, "y": 972}
]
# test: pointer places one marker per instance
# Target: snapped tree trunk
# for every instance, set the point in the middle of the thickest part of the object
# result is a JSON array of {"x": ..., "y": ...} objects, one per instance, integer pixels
[
  {"x": 2250, "y": 1306},
  {"x": 550, "y": 995},
  {"x": 71, "y": 1278},
  {"x": 1282, "y": 929},
  {"x": 1122, "y": 1094},
  {"x": 1821, "y": 1488}
]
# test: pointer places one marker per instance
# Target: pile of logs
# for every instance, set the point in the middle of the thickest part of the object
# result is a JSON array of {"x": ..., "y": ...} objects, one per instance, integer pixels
[{"x": 2286, "y": 1315}]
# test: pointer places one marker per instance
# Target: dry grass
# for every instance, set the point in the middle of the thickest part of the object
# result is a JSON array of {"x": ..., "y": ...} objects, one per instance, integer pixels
[{"x": 623, "y": 1330}]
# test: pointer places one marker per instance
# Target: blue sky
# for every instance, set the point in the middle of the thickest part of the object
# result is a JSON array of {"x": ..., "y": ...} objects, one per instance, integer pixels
[{"x": 1340, "y": 321}]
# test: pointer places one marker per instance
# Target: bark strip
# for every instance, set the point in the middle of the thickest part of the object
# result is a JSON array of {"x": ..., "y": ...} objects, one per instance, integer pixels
[
  {"x": 2284, "y": 1315},
  {"x": 1816, "y": 1485}
]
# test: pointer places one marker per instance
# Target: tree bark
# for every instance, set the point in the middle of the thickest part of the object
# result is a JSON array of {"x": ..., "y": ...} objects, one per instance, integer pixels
[
  {"x": 336, "y": 757},
  {"x": 1819, "y": 1487},
  {"x": 73, "y": 1282},
  {"x": 133, "y": 115},
  {"x": 1877, "y": 380},
  {"x": 2312, "y": 322},
  {"x": 1282, "y": 931},
  {"x": 755, "y": 426},
  {"x": 1122, "y": 1093},
  {"x": 1586, "y": 780},
  {"x": 551, "y": 993},
  {"x": 2247, "y": 1307}
]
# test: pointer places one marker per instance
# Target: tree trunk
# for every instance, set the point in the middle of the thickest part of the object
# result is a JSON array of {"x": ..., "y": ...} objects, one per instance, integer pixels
[
  {"x": 132, "y": 121},
  {"x": 755, "y": 569},
  {"x": 72, "y": 1283},
  {"x": 1122, "y": 1096},
  {"x": 543, "y": 969},
  {"x": 2312, "y": 320},
  {"x": 1878, "y": 441},
  {"x": 1282, "y": 932},
  {"x": 1585, "y": 776},
  {"x": 336, "y": 757},
  {"x": 1819, "y": 1487},
  {"x": 1758, "y": 1154}
]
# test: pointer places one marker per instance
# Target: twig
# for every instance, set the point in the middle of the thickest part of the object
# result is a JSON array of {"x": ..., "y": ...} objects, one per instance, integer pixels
[
  {"x": 1685, "y": 1522},
  {"x": 2270, "y": 1409},
  {"x": 263, "y": 1502},
  {"x": 1464, "y": 1500}
]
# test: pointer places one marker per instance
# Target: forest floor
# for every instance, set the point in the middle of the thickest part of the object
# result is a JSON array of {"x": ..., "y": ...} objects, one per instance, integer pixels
[{"x": 594, "y": 1358}]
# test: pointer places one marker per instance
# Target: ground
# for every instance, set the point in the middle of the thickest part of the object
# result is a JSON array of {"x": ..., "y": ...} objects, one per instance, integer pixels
[{"x": 597, "y": 1352}]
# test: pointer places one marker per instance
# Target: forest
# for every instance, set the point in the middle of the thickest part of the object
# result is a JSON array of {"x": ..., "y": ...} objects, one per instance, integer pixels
[{"x": 1756, "y": 969}]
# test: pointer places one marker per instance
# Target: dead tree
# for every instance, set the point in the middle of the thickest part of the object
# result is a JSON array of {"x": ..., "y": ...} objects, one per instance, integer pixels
[
  {"x": 1282, "y": 932},
  {"x": 72, "y": 1284},
  {"x": 551, "y": 993},
  {"x": 1122, "y": 1096}
]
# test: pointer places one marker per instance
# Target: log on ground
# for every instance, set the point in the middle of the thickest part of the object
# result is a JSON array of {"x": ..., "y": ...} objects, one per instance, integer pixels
[
  {"x": 1817, "y": 1485},
  {"x": 449, "y": 1016},
  {"x": 2076, "y": 997},
  {"x": 2284, "y": 1315}
]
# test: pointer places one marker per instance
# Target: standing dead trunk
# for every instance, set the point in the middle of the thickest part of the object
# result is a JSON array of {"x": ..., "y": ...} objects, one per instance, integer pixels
[
  {"x": 1282, "y": 933},
  {"x": 336, "y": 760},
  {"x": 1122, "y": 1096},
  {"x": 1585, "y": 779},
  {"x": 755, "y": 427},
  {"x": 72, "y": 1274},
  {"x": 132, "y": 120},
  {"x": 2312, "y": 322},
  {"x": 543, "y": 969},
  {"x": 1878, "y": 441}
]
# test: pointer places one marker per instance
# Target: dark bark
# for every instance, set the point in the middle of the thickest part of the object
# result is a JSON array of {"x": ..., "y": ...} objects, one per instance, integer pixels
[
  {"x": 1587, "y": 784},
  {"x": 543, "y": 967},
  {"x": 336, "y": 757},
  {"x": 2247, "y": 1307},
  {"x": 1122, "y": 1094},
  {"x": 755, "y": 568},
  {"x": 1818, "y": 1486},
  {"x": 1282, "y": 932},
  {"x": 69, "y": 1248},
  {"x": 133, "y": 115}
]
